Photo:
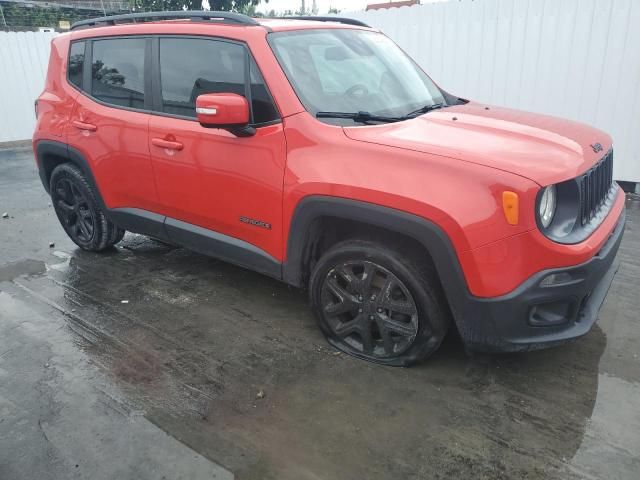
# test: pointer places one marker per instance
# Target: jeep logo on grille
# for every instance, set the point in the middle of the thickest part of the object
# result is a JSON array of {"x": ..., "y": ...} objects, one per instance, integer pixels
[{"x": 596, "y": 147}]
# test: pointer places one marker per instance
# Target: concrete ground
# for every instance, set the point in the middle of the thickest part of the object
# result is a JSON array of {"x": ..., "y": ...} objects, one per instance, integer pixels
[{"x": 166, "y": 385}]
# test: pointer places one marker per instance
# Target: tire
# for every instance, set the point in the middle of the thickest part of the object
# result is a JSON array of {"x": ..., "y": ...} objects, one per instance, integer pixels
[
  {"x": 79, "y": 211},
  {"x": 376, "y": 304}
]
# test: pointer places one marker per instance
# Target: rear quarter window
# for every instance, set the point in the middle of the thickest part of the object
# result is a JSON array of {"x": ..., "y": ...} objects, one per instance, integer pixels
[{"x": 76, "y": 64}]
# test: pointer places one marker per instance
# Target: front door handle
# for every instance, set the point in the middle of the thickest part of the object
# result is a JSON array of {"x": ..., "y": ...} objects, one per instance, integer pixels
[
  {"x": 90, "y": 127},
  {"x": 162, "y": 143}
]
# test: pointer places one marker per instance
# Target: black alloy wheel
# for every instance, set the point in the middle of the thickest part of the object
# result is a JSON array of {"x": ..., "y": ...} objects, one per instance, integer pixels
[
  {"x": 378, "y": 304},
  {"x": 79, "y": 211},
  {"x": 369, "y": 309},
  {"x": 73, "y": 210}
]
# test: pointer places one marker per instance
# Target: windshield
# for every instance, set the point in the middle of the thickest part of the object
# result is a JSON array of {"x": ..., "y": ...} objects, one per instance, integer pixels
[{"x": 346, "y": 70}]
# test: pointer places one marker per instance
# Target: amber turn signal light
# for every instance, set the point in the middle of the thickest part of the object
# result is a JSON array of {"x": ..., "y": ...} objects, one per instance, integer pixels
[{"x": 510, "y": 206}]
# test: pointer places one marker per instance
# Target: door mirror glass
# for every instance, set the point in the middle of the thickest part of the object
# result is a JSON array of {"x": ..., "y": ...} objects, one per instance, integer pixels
[{"x": 222, "y": 110}]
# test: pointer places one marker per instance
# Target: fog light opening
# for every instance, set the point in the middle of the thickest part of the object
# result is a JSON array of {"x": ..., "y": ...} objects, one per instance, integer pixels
[
  {"x": 551, "y": 313},
  {"x": 556, "y": 279}
]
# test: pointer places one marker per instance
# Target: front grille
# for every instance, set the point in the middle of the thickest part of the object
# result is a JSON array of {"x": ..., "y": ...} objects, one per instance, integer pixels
[{"x": 595, "y": 186}]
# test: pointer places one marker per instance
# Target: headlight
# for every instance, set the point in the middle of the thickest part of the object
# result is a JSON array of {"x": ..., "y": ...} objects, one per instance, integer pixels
[{"x": 547, "y": 208}]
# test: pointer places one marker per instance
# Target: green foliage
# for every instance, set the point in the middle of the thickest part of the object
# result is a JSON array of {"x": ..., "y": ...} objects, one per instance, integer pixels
[
  {"x": 243, "y": 6},
  {"x": 33, "y": 16},
  {"x": 21, "y": 16}
]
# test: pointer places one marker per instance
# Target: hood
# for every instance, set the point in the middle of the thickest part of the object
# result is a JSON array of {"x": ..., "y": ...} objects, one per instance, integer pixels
[{"x": 541, "y": 148}]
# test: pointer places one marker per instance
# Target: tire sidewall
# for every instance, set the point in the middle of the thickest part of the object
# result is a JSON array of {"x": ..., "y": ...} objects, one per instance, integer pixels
[
  {"x": 73, "y": 174},
  {"x": 432, "y": 325}
]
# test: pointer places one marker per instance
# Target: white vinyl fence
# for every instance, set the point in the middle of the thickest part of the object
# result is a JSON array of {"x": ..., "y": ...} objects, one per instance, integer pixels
[
  {"x": 578, "y": 59},
  {"x": 23, "y": 66}
]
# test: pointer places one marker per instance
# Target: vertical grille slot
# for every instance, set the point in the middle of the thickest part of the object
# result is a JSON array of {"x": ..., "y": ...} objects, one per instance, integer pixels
[{"x": 594, "y": 187}]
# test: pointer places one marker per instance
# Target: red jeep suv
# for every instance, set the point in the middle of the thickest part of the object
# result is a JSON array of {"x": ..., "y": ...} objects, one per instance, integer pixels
[{"x": 316, "y": 152}]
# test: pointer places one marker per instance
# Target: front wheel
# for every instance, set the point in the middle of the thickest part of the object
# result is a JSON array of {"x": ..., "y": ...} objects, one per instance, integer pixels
[{"x": 373, "y": 303}]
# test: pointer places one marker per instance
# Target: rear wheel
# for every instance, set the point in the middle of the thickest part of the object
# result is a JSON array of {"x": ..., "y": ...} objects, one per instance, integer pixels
[
  {"x": 376, "y": 304},
  {"x": 79, "y": 212}
]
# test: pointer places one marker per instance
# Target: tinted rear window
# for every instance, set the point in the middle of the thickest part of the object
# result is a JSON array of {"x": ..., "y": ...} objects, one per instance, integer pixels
[
  {"x": 76, "y": 63},
  {"x": 118, "y": 71}
]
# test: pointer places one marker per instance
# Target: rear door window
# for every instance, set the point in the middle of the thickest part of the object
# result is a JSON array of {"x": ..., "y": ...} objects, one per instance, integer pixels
[{"x": 117, "y": 71}]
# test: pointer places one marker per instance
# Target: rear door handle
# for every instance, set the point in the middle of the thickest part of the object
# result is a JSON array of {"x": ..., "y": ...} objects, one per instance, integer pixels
[
  {"x": 162, "y": 143},
  {"x": 84, "y": 126}
]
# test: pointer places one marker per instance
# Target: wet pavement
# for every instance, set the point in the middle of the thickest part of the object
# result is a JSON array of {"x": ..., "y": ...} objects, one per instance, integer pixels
[{"x": 166, "y": 385}]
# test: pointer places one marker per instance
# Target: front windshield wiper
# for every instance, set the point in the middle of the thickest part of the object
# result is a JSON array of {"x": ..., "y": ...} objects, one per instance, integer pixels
[
  {"x": 363, "y": 117},
  {"x": 425, "y": 109},
  {"x": 360, "y": 117}
]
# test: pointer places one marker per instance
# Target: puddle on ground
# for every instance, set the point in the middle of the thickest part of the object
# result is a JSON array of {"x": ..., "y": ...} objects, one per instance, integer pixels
[
  {"x": 199, "y": 338},
  {"x": 22, "y": 267}
]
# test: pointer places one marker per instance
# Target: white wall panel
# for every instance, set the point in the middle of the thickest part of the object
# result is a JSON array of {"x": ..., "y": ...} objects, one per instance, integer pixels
[
  {"x": 23, "y": 65},
  {"x": 577, "y": 59}
]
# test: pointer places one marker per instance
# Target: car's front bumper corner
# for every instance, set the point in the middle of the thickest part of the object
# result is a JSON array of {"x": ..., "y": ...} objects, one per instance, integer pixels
[{"x": 550, "y": 308}]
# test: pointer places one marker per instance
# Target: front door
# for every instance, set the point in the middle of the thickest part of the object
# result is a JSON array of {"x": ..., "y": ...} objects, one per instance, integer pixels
[{"x": 212, "y": 184}]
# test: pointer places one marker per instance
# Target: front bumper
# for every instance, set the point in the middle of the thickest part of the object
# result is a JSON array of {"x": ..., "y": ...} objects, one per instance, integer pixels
[{"x": 536, "y": 316}]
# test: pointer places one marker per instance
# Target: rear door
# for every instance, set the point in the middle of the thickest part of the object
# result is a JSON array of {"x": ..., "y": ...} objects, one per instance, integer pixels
[
  {"x": 214, "y": 181},
  {"x": 109, "y": 125}
]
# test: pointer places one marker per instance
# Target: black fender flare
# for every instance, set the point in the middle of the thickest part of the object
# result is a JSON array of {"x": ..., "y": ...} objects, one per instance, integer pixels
[
  {"x": 428, "y": 234},
  {"x": 132, "y": 219},
  {"x": 46, "y": 148}
]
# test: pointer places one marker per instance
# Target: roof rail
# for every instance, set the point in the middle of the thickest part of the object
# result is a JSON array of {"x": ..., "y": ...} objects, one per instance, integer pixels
[
  {"x": 141, "y": 17},
  {"x": 346, "y": 21}
]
